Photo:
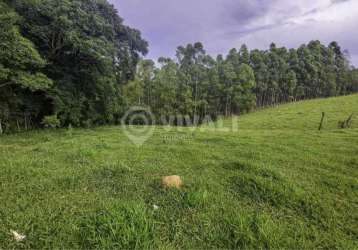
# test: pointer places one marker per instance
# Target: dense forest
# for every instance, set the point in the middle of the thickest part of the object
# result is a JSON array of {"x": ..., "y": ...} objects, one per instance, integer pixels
[{"x": 75, "y": 63}]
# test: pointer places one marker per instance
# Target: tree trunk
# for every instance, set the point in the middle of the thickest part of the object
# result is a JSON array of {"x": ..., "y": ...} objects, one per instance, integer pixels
[
  {"x": 1, "y": 131},
  {"x": 227, "y": 106},
  {"x": 18, "y": 125},
  {"x": 25, "y": 119},
  {"x": 196, "y": 96}
]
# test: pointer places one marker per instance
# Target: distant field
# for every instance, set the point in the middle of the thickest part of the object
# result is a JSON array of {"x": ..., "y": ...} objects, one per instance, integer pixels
[{"x": 277, "y": 182}]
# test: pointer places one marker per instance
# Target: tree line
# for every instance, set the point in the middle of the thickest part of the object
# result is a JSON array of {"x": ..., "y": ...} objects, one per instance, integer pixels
[
  {"x": 194, "y": 83},
  {"x": 75, "y": 63}
]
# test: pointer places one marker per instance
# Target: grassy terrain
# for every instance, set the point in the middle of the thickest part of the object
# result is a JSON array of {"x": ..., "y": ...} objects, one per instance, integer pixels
[{"x": 277, "y": 182}]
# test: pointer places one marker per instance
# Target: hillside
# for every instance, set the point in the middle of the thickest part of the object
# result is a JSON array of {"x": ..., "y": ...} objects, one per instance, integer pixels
[
  {"x": 276, "y": 182},
  {"x": 305, "y": 115}
]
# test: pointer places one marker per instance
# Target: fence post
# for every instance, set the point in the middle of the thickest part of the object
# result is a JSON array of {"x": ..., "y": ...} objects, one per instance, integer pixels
[{"x": 321, "y": 123}]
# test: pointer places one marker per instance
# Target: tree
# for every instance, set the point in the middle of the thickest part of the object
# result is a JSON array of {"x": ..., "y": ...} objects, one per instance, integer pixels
[
  {"x": 342, "y": 67},
  {"x": 21, "y": 76},
  {"x": 146, "y": 73},
  {"x": 244, "y": 97},
  {"x": 90, "y": 54},
  {"x": 191, "y": 62},
  {"x": 166, "y": 83},
  {"x": 257, "y": 59},
  {"x": 244, "y": 55}
]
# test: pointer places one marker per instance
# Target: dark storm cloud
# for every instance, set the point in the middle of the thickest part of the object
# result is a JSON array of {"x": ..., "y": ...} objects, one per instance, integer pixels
[
  {"x": 338, "y": 1},
  {"x": 242, "y": 12},
  {"x": 224, "y": 24}
]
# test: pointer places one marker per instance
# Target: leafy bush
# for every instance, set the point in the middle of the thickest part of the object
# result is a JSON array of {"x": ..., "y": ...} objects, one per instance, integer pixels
[{"x": 51, "y": 121}]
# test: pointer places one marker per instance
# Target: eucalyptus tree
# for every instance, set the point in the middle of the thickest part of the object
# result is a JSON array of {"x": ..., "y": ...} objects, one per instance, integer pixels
[
  {"x": 191, "y": 61},
  {"x": 165, "y": 89},
  {"x": 244, "y": 55},
  {"x": 244, "y": 99}
]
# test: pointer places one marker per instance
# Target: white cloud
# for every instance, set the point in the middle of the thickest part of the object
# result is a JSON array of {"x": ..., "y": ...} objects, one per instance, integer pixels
[
  {"x": 293, "y": 23},
  {"x": 224, "y": 24}
]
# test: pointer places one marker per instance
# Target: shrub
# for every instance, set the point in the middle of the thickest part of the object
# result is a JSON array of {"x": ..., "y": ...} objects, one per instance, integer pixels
[{"x": 51, "y": 121}]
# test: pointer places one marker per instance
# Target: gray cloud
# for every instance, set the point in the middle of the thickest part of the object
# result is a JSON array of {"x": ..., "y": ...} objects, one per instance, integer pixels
[
  {"x": 242, "y": 12},
  {"x": 338, "y": 1},
  {"x": 224, "y": 24}
]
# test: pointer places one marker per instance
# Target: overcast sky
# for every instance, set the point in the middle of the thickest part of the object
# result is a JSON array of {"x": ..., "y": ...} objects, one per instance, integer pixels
[{"x": 225, "y": 24}]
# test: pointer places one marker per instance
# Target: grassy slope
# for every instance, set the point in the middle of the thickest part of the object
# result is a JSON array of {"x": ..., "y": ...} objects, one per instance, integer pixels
[{"x": 277, "y": 182}]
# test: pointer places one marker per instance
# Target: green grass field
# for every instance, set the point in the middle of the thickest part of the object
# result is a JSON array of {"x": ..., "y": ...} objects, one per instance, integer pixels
[{"x": 277, "y": 182}]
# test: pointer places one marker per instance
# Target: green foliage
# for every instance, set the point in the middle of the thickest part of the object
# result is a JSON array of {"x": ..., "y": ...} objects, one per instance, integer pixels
[
  {"x": 23, "y": 85},
  {"x": 51, "y": 122},
  {"x": 245, "y": 98},
  {"x": 33, "y": 82},
  {"x": 19, "y": 58},
  {"x": 89, "y": 54}
]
